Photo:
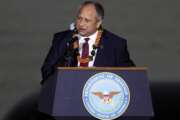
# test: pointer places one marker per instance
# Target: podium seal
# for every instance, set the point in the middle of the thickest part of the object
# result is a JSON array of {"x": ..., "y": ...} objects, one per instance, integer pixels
[{"x": 106, "y": 96}]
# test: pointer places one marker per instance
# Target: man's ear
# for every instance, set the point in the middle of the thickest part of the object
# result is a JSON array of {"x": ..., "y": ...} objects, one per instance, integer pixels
[{"x": 99, "y": 23}]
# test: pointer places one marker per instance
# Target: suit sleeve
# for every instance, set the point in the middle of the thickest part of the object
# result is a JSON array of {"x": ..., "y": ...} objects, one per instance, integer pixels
[
  {"x": 123, "y": 57},
  {"x": 52, "y": 58}
]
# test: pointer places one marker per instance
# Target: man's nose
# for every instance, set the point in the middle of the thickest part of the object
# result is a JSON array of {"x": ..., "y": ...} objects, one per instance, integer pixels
[{"x": 81, "y": 23}]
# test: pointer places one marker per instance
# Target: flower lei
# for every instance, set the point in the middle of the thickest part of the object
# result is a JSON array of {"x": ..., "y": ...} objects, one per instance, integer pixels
[{"x": 93, "y": 52}]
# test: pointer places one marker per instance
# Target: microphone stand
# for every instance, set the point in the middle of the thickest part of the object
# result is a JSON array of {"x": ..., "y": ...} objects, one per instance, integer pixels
[{"x": 70, "y": 54}]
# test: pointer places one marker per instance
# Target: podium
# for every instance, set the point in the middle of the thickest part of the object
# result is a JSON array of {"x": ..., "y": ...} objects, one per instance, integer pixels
[{"x": 61, "y": 93}]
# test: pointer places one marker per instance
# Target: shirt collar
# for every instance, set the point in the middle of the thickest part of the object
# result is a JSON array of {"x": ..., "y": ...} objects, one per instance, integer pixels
[{"x": 91, "y": 37}]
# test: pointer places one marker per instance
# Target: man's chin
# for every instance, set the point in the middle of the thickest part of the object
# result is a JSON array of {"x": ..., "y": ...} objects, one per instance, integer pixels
[{"x": 83, "y": 34}]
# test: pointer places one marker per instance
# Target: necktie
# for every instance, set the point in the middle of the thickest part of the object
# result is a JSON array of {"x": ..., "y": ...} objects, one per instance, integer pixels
[{"x": 85, "y": 52}]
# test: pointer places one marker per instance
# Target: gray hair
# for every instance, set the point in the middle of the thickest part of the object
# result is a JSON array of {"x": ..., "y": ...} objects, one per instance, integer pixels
[{"x": 99, "y": 8}]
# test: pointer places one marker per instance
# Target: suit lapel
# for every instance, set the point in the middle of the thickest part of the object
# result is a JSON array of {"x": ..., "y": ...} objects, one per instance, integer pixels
[{"x": 99, "y": 55}]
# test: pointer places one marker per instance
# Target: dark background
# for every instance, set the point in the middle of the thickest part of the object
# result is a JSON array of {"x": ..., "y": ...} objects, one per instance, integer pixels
[{"x": 152, "y": 28}]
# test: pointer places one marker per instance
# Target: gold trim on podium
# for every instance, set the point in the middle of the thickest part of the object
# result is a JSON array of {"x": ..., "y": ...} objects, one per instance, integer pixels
[{"x": 102, "y": 68}]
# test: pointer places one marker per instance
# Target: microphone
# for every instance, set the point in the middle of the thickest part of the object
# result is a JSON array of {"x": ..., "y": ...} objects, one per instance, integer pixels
[{"x": 70, "y": 52}]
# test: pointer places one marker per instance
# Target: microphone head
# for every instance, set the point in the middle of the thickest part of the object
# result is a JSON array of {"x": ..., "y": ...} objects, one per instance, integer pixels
[{"x": 75, "y": 38}]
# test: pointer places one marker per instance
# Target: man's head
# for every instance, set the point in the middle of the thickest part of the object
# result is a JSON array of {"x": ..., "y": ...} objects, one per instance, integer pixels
[{"x": 89, "y": 18}]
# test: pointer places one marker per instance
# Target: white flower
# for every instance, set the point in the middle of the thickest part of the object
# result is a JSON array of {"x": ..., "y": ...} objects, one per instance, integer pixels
[{"x": 72, "y": 26}]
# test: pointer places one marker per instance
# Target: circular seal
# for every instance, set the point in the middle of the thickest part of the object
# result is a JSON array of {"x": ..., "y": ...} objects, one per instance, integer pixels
[{"x": 106, "y": 96}]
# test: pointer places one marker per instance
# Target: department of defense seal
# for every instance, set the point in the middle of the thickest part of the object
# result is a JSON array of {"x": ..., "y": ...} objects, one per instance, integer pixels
[{"x": 106, "y": 96}]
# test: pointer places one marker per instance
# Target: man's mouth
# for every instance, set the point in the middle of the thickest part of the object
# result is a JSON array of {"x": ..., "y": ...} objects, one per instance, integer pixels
[{"x": 82, "y": 29}]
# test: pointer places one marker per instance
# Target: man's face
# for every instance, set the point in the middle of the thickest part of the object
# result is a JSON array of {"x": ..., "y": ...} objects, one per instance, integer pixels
[{"x": 87, "y": 21}]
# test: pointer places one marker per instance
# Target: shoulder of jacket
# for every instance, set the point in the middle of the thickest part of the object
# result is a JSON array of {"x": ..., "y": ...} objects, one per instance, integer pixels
[
  {"x": 59, "y": 36},
  {"x": 62, "y": 33},
  {"x": 114, "y": 38}
]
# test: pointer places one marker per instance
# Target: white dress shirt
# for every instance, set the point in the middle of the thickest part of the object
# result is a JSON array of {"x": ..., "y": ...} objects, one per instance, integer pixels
[{"x": 92, "y": 39}]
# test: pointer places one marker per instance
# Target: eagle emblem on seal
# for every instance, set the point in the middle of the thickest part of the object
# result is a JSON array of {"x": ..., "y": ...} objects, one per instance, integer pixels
[{"x": 106, "y": 97}]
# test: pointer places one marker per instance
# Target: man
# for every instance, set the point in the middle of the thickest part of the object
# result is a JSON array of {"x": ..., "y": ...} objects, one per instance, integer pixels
[{"x": 88, "y": 44}]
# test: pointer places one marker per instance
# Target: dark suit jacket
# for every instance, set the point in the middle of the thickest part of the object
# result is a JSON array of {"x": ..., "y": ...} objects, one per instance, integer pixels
[{"x": 113, "y": 52}]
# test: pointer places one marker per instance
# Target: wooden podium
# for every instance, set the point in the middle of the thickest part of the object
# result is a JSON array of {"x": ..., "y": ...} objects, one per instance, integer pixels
[{"x": 61, "y": 93}]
